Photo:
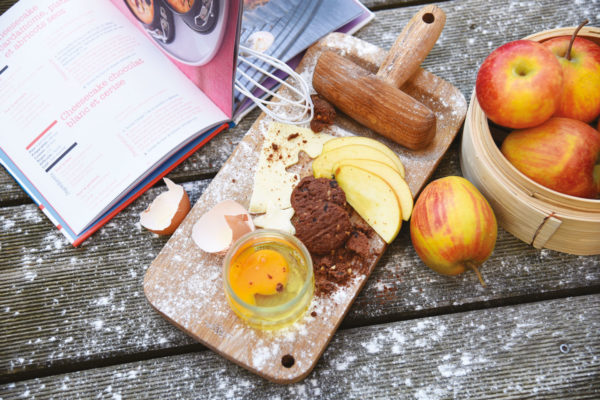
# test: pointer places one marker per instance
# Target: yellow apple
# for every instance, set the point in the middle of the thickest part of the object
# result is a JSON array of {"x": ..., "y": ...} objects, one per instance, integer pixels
[
  {"x": 392, "y": 178},
  {"x": 580, "y": 95},
  {"x": 323, "y": 165},
  {"x": 453, "y": 227},
  {"x": 365, "y": 141},
  {"x": 372, "y": 198}
]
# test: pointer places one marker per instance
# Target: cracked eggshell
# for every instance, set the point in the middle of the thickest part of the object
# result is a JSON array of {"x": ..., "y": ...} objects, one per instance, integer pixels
[
  {"x": 167, "y": 210},
  {"x": 213, "y": 232}
]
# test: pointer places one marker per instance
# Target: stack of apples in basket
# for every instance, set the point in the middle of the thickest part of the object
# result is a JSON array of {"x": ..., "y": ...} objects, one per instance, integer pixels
[
  {"x": 548, "y": 96},
  {"x": 542, "y": 100}
]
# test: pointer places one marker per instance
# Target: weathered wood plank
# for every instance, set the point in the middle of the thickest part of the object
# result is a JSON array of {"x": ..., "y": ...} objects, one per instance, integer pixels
[
  {"x": 60, "y": 305},
  {"x": 547, "y": 350},
  {"x": 5, "y": 5},
  {"x": 59, "y": 298}
]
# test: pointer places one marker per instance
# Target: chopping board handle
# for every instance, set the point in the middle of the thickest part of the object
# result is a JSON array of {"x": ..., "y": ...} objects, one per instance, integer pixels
[{"x": 412, "y": 45}]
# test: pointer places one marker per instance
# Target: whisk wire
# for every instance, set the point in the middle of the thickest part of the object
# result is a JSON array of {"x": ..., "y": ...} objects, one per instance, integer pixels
[{"x": 301, "y": 105}]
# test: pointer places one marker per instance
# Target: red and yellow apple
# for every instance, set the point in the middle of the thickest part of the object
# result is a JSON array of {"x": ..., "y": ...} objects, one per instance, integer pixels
[
  {"x": 580, "y": 96},
  {"x": 597, "y": 176},
  {"x": 559, "y": 154},
  {"x": 519, "y": 84},
  {"x": 453, "y": 227}
]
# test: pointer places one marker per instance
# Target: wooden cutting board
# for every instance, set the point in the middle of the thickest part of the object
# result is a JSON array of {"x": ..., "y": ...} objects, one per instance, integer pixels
[{"x": 185, "y": 285}]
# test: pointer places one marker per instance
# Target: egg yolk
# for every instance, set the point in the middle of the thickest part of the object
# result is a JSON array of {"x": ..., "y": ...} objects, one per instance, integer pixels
[{"x": 264, "y": 272}]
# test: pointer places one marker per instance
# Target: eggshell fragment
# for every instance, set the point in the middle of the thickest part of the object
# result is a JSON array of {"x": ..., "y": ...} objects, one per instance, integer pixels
[
  {"x": 216, "y": 230},
  {"x": 238, "y": 225},
  {"x": 167, "y": 210}
]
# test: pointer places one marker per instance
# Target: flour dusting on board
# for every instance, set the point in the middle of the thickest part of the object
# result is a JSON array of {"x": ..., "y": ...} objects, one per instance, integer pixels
[{"x": 186, "y": 285}]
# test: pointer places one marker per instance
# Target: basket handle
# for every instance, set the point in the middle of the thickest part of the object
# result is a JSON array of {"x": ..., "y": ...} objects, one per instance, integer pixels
[{"x": 545, "y": 231}]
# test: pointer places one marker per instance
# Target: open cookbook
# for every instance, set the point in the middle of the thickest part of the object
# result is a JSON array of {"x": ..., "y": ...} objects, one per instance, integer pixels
[{"x": 99, "y": 100}]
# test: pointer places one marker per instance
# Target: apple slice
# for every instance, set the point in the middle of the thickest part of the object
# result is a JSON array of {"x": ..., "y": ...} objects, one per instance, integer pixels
[
  {"x": 323, "y": 165},
  {"x": 365, "y": 141},
  {"x": 372, "y": 198},
  {"x": 392, "y": 178}
]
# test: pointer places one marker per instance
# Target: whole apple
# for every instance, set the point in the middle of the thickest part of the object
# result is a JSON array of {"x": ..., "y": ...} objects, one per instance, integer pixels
[
  {"x": 580, "y": 96},
  {"x": 597, "y": 166},
  {"x": 453, "y": 227},
  {"x": 597, "y": 176},
  {"x": 519, "y": 84},
  {"x": 559, "y": 154}
]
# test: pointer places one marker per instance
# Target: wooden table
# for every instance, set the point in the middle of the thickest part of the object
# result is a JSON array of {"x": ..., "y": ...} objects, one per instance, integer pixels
[{"x": 74, "y": 322}]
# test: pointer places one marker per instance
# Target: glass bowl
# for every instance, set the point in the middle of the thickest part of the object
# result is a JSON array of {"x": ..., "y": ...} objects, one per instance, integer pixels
[{"x": 268, "y": 278}]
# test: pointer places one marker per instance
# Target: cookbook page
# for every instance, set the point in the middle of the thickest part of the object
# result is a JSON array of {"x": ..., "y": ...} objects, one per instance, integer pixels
[
  {"x": 199, "y": 36},
  {"x": 88, "y": 105}
]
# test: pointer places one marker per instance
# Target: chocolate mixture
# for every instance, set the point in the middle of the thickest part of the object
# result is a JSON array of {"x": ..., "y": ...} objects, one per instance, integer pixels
[
  {"x": 338, "y": 246},
  {"x": 324, "y": 113}
]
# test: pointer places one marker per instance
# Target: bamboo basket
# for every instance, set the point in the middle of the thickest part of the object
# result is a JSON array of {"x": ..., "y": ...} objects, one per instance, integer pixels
[{"x": 533, "y": 213}]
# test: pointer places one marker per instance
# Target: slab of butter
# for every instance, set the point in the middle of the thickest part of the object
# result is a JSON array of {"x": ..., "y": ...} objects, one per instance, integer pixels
[
  {"x": 272, "y": 183},
  {"x": 276, "y": 218}
]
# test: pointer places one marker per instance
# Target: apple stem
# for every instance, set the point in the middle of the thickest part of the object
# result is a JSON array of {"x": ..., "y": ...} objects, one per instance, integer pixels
[
  {"x": 568, "y": 55},
  {"x": 474, "y": 267}
]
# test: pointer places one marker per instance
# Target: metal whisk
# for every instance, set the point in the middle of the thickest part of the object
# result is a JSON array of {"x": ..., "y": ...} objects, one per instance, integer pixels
[{"x": 294, "y": 108}]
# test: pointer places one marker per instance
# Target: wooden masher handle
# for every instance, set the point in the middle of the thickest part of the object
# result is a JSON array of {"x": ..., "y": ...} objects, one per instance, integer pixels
[{"x": 412, "y": 45}]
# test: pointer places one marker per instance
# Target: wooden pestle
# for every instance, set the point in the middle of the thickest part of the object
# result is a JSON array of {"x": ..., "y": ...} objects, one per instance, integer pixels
[
  {"x": 376, "y": 100},
  {"x": 412, "y": 45}
]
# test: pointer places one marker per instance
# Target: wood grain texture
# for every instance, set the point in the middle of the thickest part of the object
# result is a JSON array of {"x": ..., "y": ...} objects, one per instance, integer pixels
[
  {"x": 185, "y": 285},
  {"x": 543, "y": 350},
  {"x": 5, "y": 5},
  {"x": 412, "y": 45},
  {"x": 64, "y": 306},
  {"x": 441, "y": 97},
  {"x": 74, "y": 308},
  {"x": 372, "y": 102}
]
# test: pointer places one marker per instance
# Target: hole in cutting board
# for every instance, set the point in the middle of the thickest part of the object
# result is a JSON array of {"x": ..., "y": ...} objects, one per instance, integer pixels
[
  {"x": 288, "y": 361},
  {"x": 428, "y": 18}
]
